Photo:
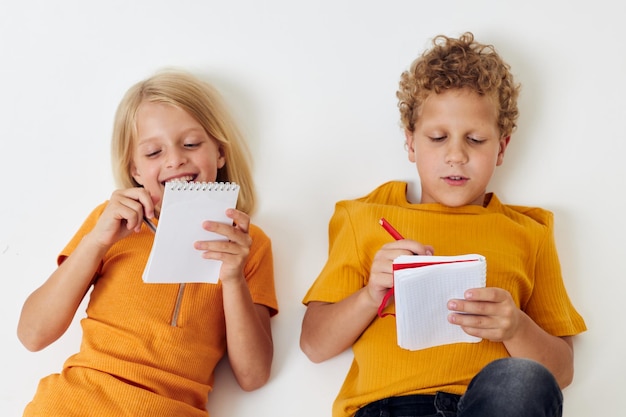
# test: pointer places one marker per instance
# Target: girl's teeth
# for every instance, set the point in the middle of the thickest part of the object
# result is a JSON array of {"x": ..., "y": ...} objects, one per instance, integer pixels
[{"x": 183, "y": 179}]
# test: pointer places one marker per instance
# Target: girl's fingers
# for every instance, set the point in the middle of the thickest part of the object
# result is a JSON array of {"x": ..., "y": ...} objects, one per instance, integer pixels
[
  {"x": 129, "y": 206},
  {"x": 240, "y": 219}
]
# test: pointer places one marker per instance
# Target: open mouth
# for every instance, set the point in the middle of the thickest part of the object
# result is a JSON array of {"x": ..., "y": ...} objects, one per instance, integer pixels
[
  {"x": 455, "y": 180},
  {"x": 183, "y": 178}
]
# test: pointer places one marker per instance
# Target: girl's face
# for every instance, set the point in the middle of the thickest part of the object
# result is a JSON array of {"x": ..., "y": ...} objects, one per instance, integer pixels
[
  {"x": 172, "y": 145},
  {"x": 456, "y": 146}
]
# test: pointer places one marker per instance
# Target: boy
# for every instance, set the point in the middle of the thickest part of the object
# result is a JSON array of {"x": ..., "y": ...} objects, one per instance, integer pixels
[{"x": 458, "y": 105}]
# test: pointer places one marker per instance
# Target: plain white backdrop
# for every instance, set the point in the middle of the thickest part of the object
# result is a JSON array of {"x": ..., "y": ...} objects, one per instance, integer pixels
[{"x": 313, "y": 86}]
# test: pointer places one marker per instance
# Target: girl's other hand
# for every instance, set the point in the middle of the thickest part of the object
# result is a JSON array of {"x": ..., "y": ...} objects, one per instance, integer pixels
[{"x": 234, "y": 252}]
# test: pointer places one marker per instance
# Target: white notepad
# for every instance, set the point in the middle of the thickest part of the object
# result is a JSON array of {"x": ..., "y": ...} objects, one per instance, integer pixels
[
  {"x": 173, "y": 259},
  {"x": 423, "y": 285}
]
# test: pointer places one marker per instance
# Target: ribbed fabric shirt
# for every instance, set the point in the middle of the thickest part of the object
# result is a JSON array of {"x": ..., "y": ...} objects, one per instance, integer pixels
[
  {"x": 521, "y": 255},
  {"x": 140, "y": 355}
]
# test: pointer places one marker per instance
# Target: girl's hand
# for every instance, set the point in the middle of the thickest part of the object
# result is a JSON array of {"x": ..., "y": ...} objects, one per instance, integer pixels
[
  {"x": 234, "y": 252},
  {"x": 381, "y": 272},
  {"x": 489, "y": 313},
  {"x": 123, "y": 215}
]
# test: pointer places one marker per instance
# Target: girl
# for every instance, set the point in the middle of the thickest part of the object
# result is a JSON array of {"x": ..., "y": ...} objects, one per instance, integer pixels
[{"x": 151, "y": 349}]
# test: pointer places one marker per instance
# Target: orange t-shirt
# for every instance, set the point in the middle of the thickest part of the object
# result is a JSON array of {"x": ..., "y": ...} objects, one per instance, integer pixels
[
  {"x": 519, "y": 247},
  {"x": 140, "y": 355}
]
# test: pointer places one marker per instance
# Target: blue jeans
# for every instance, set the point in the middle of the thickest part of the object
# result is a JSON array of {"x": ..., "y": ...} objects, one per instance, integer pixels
[{"x": 510, "y": 387}]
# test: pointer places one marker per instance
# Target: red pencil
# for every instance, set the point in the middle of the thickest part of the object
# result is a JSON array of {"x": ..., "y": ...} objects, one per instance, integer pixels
[{"x": 389, "y": 228}]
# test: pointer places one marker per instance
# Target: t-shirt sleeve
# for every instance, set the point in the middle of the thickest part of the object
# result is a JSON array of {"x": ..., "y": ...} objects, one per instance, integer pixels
[
  {"x": 343, "y": 273},
  {"x": 85, "y": 228},
  {"x": 549, "y": 305},
  {"x": 259, "y": 270}
]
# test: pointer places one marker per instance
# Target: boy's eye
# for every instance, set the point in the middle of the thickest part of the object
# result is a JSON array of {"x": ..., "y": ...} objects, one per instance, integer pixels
[
  {"x": 474, "y": 140},
  {"x": 437, "y": 138}
]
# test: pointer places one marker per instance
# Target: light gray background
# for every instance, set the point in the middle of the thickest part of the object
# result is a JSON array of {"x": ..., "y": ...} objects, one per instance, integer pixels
[{"x": 313, "y": 85}]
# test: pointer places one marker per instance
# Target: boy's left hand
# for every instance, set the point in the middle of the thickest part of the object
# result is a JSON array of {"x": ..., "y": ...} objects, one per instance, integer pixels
[
  {"x": 234, "y": 252},
  {"x": 489, "y": 313}
]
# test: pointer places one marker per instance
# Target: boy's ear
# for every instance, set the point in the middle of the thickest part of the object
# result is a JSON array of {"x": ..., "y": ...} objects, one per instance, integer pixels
[
  {"x": 409, "y": 144},
  {"x": 504, "y": 142}
]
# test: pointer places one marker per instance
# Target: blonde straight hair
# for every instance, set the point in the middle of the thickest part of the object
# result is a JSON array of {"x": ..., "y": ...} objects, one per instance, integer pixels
[{"x": 203, "y": 102}]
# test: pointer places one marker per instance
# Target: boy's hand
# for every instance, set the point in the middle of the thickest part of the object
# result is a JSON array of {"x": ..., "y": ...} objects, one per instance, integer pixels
[
  {"x": 234, "y": 252},
  {"x": 381, "y": 272},
  {"x": 123, "y": 214},
  {"x": 489, "y": 313}
]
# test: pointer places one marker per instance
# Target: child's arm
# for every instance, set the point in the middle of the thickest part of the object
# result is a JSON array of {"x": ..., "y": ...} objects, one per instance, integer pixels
[
  {"x": 49, "y": 310},
  {"x": 330, "y": 328},
  {"x": 249, "y": 336},
  {"x": 248, "y": 331},
  {"x": 491, "y": 313}
]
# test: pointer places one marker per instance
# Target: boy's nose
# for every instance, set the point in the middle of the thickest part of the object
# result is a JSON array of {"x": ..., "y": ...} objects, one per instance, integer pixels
[{"x": 455, "y": 154}]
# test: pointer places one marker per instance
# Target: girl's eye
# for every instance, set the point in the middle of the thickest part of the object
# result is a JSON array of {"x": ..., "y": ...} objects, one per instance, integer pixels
[
  {"x": 152, "y": 153},
  {"x": 191, "y": 145}
]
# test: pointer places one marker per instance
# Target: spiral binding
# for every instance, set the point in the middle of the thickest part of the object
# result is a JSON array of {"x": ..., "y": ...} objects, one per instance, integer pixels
[{"x": 202, "y": 186}]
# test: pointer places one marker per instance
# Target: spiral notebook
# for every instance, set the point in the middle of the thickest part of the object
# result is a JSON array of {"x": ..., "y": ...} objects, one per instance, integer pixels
[
  {"x": 185, "y": 206},
  {"x": 423, "y": 285}
]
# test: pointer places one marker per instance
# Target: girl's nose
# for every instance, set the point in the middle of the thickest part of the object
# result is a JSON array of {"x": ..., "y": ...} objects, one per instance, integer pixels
[{"x": 175, "y": 158}]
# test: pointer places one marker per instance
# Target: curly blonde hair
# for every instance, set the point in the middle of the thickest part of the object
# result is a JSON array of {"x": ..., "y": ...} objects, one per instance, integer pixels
[
  {"x": 459, "y": 63},
  {"x": 203, "y": 102}
]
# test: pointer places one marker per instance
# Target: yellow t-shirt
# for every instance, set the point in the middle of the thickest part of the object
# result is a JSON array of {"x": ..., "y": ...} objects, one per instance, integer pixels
[
  {"x": 139, "y": 355},
  {"x": 519, "y": 247}
]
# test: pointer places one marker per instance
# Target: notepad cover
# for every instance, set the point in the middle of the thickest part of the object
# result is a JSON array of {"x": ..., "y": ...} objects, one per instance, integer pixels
[
  {"x": 173, "y": 259},
  {"x": 423, "y": 285}
]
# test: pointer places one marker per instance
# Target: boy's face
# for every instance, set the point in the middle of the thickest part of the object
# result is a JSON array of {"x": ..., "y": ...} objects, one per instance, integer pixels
[
  {"x": 172, "y": 145},
  {"x": 456, "y": 146}
]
